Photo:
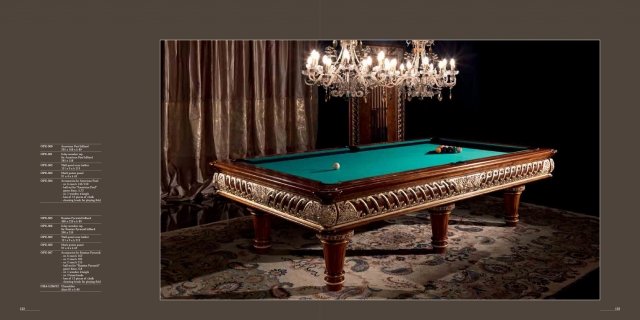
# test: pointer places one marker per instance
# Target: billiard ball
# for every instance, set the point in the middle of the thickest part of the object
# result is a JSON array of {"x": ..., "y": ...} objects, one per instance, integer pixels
[
  {"x": 438, "y": 149},
  {"x": 336, "y": 166},
  {"x": 459, "y": 149}
]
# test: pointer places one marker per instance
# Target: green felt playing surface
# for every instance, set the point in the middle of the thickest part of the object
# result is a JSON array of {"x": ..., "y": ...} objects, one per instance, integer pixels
[{"x": 369, "y": 161}]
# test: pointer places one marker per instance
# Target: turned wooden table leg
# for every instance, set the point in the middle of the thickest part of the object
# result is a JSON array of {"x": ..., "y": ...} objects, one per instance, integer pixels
[
  {"x": 261, "y": 230},
  {"x": 511, "y": 204},
  {"x": 439, "y": 224},
  {"x": 334, "y": 247}
]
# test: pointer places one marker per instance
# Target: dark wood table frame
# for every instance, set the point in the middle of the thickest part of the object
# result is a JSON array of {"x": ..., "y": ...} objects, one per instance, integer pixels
[{"x": 334, "y": 210}]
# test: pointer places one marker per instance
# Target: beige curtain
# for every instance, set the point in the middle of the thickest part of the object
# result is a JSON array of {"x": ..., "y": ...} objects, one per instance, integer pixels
[{"x": 231, "y": 99}]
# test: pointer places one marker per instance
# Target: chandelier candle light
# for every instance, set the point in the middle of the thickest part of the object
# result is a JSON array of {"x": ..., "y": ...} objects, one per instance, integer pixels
[{"x": 352, "y": 73}]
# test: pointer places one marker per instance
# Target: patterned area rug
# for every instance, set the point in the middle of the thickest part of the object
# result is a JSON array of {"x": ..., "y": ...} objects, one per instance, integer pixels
[{"x": 547, "y": 251}]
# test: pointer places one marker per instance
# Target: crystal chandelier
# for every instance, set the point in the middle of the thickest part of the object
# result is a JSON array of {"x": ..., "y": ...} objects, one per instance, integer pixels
[
  {"x": 344, "y": 74},
  {"x": 352, "y": 73},
  {"x": 418, "y": 77}
]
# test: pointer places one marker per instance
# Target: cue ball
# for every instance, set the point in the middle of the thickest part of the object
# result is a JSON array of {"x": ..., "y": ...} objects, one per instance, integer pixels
[{"x": 336, "y": 166}]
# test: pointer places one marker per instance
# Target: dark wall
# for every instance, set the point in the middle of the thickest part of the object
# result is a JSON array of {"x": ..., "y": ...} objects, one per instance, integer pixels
[
  {"x": 333, "y": 121},
  {"x": 533, "y": 93}
]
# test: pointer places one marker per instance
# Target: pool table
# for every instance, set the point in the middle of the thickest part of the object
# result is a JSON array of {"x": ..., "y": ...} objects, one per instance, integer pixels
[{"x": 375, "y": 182}]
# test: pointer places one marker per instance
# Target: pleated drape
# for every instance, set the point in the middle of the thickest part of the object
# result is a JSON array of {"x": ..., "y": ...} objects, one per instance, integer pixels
[{"x": 231, "y": 99}]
